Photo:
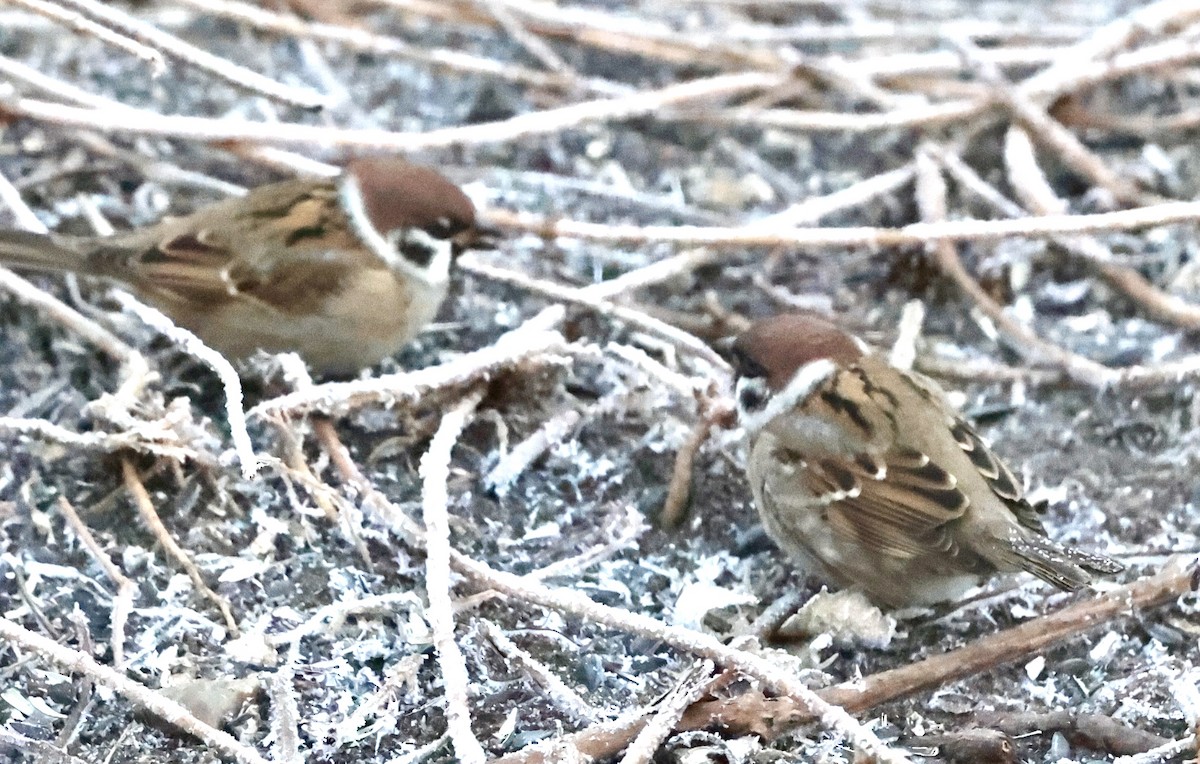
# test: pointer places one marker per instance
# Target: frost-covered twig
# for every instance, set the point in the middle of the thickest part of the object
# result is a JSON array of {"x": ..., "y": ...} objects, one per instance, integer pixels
[
  {"x": 511, "y": 465},
  {"x": 520, "y": 127},
  {"x": 736, "y": 238},
  {"x": 694, "y": 686},
  {"x": 83, "y": 25},
  {"x": 587, "y": 297},
  {"x": 562, "y": 696},
  {"x": 435, "y": 474},
  {"x": 931, "y": 199},
  {"x": 123, "y": 600},
  {"x": 364, "y": 41},
  {"x": 128, "y": 26},
  {"x": 1033, "y": 187},
  {"x": 194, "y": 346},
  {"x": 145, "y": 507},
  {"x": 168, "y": 710},
  {"x": 529, "y": 340}
]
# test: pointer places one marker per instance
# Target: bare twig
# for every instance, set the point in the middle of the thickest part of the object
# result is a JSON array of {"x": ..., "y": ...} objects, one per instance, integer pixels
[
  {"x": 931, "y": 198},
  {"x": 145, "y": 507},
  {"x": 364, "y": 41},
  {"x": 739, "y": 237},
  {"x": 83, "y": 25},
  {"x": 532, "y": 339},
  {"x": 556, "y": 689},
  {"x": 135, "y": 29},
  {"x": 194, "y": 346},
  {"x": 694, "y": 685},
  {"x": 1037, "y": 194},
  {"x": 167, "y": 710},
  {"x": 126, "y": 589},
  {"x": 522, "y": 126},
  {"x": 754, "y": 713},
  {"x": 435, "y": 472}
]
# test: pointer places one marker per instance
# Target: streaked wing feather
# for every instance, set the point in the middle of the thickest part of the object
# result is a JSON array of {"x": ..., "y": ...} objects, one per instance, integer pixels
[{"x": 997, "y": 474}]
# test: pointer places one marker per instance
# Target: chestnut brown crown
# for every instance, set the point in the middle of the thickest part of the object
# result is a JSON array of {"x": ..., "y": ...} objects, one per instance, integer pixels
[
  {"x": 775, "y": 348},
  {"x": 397, "y": 195}
]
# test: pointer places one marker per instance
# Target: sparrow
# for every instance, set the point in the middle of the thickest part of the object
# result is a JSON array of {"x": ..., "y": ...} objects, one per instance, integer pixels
[
  {"x": 869, "y": 478},
  {"x": 342, "y": 271}
]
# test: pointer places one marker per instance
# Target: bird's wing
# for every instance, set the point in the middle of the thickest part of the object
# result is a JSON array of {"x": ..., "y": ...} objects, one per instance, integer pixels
[
  {"x": 883, "y": 495},
  {"x": 300, "y": 252}
]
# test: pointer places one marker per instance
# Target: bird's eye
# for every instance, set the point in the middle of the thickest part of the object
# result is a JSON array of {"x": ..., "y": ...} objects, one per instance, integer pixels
[{"x": 444, "y": 228}]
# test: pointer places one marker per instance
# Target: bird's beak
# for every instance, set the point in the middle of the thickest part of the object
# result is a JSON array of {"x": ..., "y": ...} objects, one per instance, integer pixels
[{"x": 476, "y": 237}]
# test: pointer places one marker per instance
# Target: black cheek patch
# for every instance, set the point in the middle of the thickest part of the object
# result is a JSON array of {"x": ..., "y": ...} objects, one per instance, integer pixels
[{"x": 416, "y": 252}]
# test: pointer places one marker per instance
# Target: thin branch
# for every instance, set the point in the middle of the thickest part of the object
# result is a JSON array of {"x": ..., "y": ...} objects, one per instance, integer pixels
[
  {"x": 363, "y": 41},
  {"x": 532, "y": 339},
  {"x": 168, "y": 710},
  {"x": 86, "y": 26},
  {"x": 740, "y": 237},
  {"x": 520, "y": 127},
  {"x": 223, "y": 69},
  {"x": 435, "y": 472},
  {"x": 145, "y": 507},
  {"x": 195, "y": 347}
]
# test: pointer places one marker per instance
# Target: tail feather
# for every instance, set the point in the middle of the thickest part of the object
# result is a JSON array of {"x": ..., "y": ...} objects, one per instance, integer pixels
[
  {"x": 40, "y": 251},
  {"x": 1063, "y": 567}
]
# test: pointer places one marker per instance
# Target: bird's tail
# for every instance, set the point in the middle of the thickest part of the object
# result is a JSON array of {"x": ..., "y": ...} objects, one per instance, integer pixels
[
  {"x": 41, "y": 251},
  {"x": 1068, "y": 569}
]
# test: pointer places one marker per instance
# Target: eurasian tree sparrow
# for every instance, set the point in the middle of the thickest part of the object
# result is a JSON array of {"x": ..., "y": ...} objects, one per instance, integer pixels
[
  {"x": 871, "y": 479},
  {"x": 343, "y": 271}
]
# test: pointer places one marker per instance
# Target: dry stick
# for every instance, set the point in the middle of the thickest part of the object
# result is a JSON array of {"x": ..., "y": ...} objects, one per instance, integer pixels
[
  {"x": 1031, "y": 184},
  {"x": 124, "y": 24},
  {"x": 230, "y": 381},
  {"x": 638, "y": 36},
  {"x": 1149, "y": 21},
  {"x": 739, "y": 237},
  {"x": 714, "y": 411},
  {"x": 812, "y": 210},
  {"x": 363, "y": 41},
  {"x": 1163, "y": 753},
  {"x": 529, "y": 340},
  {"x": 703, "y": 645},
  {"x": 562, "y": 696},
  {"x": 1052, "y": 134},
  {"x": 157, "y": 170},
  {"x": 931, "y": 199},
  {"x": 695, "y": 685},
  {"x": 17, "y": 70},
  {"x": 1096, "y": 731},
  {"x": 1166, "y": 55},
  {"x": 83, "y": 25},
  {"x": 126, "y": 589},
  {"x": 512, "y": 464},
  {"x": 549, "y": 121},
  {"x": 587, "y": 297},
  {"x": 754, "y": 714},
  {"x": 145, "y": 506},
  {"x": 574, "y": 603},
  {"x": 435, "y": 472},
  {"x": 1176, "y": 579},
  {"x": 106, "y": 442},
  {"x": 535, "y": 45},
  {"x": 153, "y": 702}
]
